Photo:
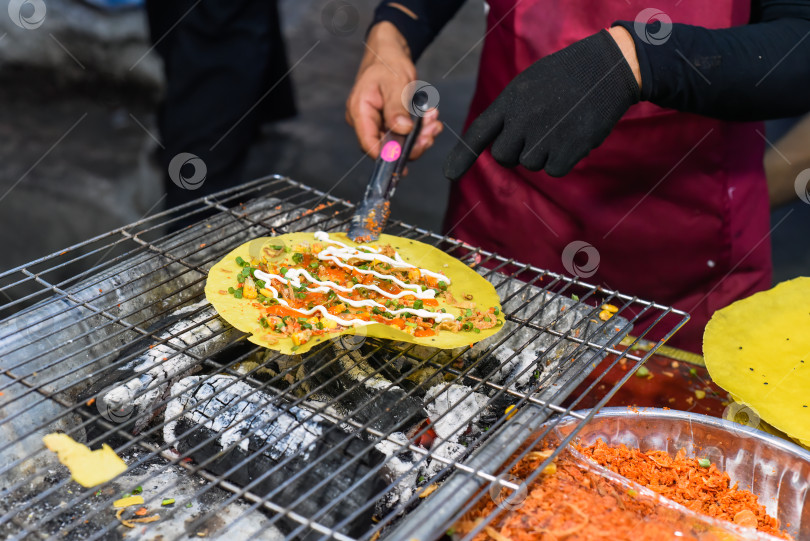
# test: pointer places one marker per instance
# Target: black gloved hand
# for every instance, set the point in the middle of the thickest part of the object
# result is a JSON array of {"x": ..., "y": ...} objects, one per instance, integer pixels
[{"x": 552, "y": 114}]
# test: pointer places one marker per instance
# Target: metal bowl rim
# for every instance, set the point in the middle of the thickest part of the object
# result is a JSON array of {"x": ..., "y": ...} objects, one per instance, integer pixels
[{"x": 698, "y": 418}]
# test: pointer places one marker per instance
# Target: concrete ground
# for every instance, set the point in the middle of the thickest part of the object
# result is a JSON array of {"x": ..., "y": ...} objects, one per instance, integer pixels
[{"x": 77, "y": 125}]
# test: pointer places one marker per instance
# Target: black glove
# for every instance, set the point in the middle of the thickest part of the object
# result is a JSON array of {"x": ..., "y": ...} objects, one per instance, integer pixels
[{"x": 552, "y": 114}]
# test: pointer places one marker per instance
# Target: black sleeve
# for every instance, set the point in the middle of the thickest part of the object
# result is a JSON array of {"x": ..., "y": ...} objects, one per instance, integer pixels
[
  {"x": 430, "y": 16},
  {"x": 752, "y": 72}
]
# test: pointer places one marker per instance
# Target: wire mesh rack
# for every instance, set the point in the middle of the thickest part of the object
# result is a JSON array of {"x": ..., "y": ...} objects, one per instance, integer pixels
[{"x": 112, "y": 341}]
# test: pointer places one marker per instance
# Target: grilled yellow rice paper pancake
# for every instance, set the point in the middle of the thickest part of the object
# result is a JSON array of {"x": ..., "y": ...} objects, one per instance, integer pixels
[
  {"x": 758, "y": 349},
  {"x": 419, "y": 294}
]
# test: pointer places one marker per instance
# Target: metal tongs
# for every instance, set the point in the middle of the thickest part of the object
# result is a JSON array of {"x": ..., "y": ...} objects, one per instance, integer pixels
[{"x": 372, "y": 213}]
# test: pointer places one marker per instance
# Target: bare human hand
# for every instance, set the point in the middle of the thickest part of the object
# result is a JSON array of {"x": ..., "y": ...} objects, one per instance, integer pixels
[{"x": 375, "y": 103}]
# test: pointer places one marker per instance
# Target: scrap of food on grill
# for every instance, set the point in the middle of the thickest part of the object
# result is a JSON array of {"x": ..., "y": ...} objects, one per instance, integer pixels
[
  {"x": 655, "y": 496},
  {"x": 295, "y": 290}
]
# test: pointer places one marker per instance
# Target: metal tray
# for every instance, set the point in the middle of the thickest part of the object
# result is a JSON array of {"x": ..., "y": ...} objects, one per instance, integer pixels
[{"x": 777, "y": 471}]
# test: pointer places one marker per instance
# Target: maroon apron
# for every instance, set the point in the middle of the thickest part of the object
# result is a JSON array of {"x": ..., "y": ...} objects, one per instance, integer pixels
[{"x": 675, "y": 204}]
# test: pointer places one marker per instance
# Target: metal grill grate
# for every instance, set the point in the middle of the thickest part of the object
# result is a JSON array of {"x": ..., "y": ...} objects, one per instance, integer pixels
[{"x": 346, "y": 441}]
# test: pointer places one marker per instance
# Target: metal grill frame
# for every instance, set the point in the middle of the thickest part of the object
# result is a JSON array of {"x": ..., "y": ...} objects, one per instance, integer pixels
[{"x": 146, "y": 238}]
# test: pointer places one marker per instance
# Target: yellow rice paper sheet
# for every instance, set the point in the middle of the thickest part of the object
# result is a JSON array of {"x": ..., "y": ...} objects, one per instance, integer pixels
[{"x": 758, "y": 349}]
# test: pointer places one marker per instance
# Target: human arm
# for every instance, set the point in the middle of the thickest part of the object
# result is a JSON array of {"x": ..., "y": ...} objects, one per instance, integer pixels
[
  {"x": 399, "y": 34},
  {"x": 752, "y": 72},
  {"x": 743, "y": 73}
]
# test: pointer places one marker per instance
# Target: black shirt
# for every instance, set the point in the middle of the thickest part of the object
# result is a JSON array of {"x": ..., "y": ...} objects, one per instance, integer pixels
[{"x": 752, "y": 72}]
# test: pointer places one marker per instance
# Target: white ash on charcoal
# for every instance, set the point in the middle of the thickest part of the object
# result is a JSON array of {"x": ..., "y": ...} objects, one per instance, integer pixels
[
  {"x": 549, "y": 311},
  {"x": 400, "y": 468},
  {"x": 454, "y": 411},
  {"x": 347, "y": 379},
  {"x": 505, "y": 357},
  {"x": 237, "y": 412},
  {"x": 289, "y": 452},
  {"x": 518, "y": 369},
  {"x": 208, "y": 514},
  {"x": 90, "y": 515},
  {"x": 132, "y": 390}
]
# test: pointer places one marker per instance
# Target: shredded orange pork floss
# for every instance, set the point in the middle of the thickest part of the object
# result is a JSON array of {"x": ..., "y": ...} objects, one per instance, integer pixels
[
  {"x": 684, "y": 481},
  {"x": 574, "y": 504}
]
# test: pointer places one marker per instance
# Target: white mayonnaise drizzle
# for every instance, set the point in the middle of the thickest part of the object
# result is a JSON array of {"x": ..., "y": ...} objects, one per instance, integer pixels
[
  {"x": 337, "y": 256},
  {"x": 315, "y": 309},
  {"x": 347, "y": 252}
]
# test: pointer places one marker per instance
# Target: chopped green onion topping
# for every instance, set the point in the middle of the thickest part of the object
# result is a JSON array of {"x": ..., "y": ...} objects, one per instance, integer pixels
[
  {"x": 418, "y": 304},
  {"x": 468, "y": 313},
  {"x": 137, "y": 490},
  {"x": 231, "y": 290},
  {"x": 283, "y": 271},
  {"x": 297, "y": 258},
  {"x": 240, "y": 261},
  {"x": 278, "y": 247},
  {"x": 704, "y": 462},
  {"x": 313, "y": 264},
  {"x": 238, "y": 294}
]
